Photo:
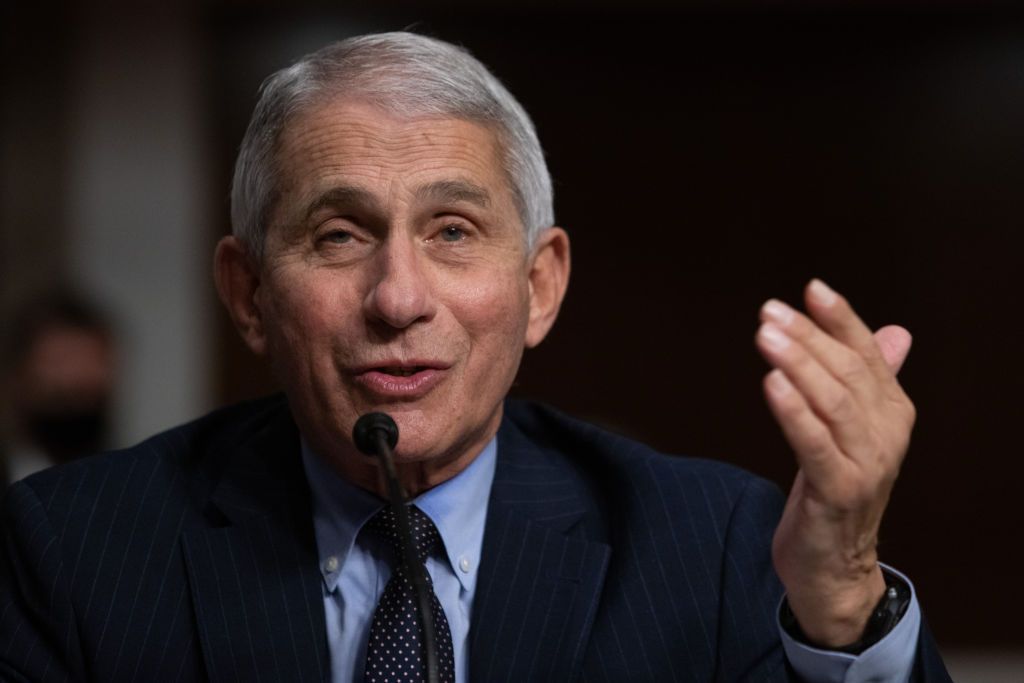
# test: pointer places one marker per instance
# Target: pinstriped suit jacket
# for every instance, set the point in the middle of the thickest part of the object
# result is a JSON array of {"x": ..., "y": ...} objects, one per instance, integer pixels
[{"x": 192, "y": 557}]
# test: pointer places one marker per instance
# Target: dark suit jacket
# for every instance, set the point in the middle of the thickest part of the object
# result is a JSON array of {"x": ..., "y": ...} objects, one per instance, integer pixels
[{"x": 192, "y": 557}]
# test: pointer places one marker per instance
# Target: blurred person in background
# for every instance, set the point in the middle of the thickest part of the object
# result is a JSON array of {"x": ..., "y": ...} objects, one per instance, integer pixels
[{"x": 58, "y": 381}]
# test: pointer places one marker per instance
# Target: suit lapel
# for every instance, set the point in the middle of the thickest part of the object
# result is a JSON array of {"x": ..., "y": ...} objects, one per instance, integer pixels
[
  {"x": 253, "y": 575},
  {"x": 540, "y": 580}
]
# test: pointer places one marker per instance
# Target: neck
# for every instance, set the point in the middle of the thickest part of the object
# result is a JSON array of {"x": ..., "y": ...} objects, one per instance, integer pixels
[{"x": 414, "y": 476}]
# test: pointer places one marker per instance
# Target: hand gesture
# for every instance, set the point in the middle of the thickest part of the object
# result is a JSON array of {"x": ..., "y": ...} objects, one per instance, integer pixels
[{"x": 834, "y": 392}]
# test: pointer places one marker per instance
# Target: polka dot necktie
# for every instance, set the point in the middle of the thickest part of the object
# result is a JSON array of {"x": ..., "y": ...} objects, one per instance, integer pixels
[{"x": 394, "y": 653}]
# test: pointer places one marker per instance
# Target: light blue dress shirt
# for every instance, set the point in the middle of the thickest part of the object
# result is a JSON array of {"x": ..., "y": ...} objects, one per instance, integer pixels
[{"x": 356, "y": 569}]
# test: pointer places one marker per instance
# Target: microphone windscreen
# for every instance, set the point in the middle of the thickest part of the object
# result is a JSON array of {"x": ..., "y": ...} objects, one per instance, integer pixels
[{"x": 365, "y": 431}]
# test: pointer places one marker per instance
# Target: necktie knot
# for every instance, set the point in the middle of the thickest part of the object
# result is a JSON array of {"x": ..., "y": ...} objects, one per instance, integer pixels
[{"x": 425, "y": 537}]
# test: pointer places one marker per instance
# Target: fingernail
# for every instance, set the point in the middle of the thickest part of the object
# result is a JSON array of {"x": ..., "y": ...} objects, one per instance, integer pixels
[
  {"x": 778, "y": 384},
  {"x": 778, "y": 311},
  {"x": 822, "y": 293},
  {"x": 773, "y": 337}
]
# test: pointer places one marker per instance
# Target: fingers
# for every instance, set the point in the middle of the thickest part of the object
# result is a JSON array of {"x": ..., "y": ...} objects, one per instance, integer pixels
[
  {"x": 807, "y": 435},
  {"x": 867, "y": 365},
  {"x": 841, "y": 375},
  {"x": 831, "y": 400},
  {"x": 894, "y": 343},
  {"x": 834, "y": 315},
  {"x": 844, "y": 364}
]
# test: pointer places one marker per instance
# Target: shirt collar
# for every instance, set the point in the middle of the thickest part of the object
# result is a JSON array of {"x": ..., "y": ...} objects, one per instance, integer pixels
[
  {"x": 458, "y": 508},
  {"x": 339, "y": 511}
]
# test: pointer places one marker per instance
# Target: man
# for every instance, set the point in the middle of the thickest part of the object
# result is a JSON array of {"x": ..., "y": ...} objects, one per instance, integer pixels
[{"x": 394, "y": 250}]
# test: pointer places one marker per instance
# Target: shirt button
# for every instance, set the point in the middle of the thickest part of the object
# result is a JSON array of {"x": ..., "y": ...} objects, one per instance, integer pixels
[
  {"x": 464, "y": 564},
  {"x": 331, "y": 565}
]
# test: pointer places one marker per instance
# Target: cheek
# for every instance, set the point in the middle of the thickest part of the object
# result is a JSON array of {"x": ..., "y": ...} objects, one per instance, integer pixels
[
  {"x": 303, "y": 315},
  {"x": 495, "y": 310},
  {"x": 499, "y": 290}
]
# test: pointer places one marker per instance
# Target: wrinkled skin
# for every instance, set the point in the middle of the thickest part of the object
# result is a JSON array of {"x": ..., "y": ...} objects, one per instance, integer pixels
[{"x": 395, "y": 245}]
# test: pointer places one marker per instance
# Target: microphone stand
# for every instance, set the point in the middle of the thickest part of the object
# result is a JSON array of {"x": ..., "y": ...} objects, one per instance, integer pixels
[{"x": 380, "y": 439}]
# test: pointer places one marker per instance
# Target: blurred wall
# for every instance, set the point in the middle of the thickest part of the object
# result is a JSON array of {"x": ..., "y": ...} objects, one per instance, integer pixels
[
  {"x": 107, "y": 188},
  {"x": 33, "y": 154},
  {"x": 138, "y": 207}
]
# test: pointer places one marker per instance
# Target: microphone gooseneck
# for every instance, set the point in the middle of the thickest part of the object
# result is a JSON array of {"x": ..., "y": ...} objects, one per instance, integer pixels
[{"x": 376, "y": 434}]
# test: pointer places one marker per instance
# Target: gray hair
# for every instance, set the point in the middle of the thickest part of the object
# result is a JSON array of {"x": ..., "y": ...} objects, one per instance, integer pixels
[{"x": 405, "y": 74}]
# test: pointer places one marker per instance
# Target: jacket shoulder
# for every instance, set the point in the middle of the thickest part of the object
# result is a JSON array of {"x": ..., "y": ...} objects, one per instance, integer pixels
[
  {"x": 689, "y": 543},
  {"x": 595, "y": 448},
  {"x": 94, "y": 549},
  {"x": 181, "y": 464}
]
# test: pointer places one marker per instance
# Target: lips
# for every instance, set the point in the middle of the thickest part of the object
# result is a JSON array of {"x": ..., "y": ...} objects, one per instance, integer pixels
[{"x": 401, "y": 380}]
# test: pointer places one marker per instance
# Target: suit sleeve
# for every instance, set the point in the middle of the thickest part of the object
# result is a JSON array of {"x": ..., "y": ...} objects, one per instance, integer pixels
[{"x": 38, "y": 636}]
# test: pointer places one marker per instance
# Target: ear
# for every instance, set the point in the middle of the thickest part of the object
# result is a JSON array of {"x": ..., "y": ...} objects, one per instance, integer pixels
[
  {"x": 238, "y": 284},
  {"x": 549, "y": 278}
]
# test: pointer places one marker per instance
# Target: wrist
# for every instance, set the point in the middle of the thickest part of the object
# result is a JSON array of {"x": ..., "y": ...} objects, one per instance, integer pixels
[
  {"x": 834, "y": 615},
  {"x": 888, "y": 612}
]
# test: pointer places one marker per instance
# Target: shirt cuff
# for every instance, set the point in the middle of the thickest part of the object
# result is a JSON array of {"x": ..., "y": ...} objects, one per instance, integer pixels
[{"x": 890, "y": 660}]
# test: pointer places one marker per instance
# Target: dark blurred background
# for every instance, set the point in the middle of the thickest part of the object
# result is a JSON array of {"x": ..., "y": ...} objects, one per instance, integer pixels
[{"x": 706, "y": 157}]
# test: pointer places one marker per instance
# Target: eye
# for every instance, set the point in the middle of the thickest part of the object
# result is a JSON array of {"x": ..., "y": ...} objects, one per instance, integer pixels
[
  {"x": 337, "y": 237},
  {"x": 452, "y": 233}
]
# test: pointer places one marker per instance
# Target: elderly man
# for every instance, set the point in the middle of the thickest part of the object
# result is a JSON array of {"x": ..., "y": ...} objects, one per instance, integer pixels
[{"x": 394, "y": 250}]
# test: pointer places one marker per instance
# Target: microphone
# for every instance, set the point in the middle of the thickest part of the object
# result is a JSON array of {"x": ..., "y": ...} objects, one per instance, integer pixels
[
  {"x": 376, "y": 434},
  {"x": 371, "y": 427}
]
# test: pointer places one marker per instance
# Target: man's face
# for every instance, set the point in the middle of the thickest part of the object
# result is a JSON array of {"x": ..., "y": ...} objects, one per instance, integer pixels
[{"x": 395, "y": 279}]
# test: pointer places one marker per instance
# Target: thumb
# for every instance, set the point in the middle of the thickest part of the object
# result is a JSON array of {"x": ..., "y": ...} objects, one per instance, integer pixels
[{"x": 894, "y": 343}]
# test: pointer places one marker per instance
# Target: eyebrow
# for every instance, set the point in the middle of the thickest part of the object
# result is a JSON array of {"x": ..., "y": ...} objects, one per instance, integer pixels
[
  {"x": 348, "y": 195},
  {"x": 453, "y": 191}
]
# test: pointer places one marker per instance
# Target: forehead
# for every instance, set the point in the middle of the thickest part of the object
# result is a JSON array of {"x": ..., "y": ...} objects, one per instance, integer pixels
[{"x": 368, "y": 146}]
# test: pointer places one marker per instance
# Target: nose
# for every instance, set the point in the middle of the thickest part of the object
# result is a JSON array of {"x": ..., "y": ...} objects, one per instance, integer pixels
[{"x": 400, "y": 293}]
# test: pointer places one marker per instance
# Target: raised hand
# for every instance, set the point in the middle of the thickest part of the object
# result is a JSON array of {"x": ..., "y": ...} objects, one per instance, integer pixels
[{"x": 834, "y": 392}]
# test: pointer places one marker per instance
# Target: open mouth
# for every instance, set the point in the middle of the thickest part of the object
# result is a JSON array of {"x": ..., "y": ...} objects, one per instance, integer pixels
[
  {"x": 402, "y": 371},
  {"x": 400, "y": 381}
]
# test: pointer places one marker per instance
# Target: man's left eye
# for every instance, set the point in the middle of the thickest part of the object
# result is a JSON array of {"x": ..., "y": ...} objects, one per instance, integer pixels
[
  {"x": 338, "y": 237},
  {"x": 452, "y": 233}
]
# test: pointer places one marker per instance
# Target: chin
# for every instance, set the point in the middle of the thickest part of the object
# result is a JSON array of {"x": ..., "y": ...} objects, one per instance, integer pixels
[{"x": 415, "y": 446}]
